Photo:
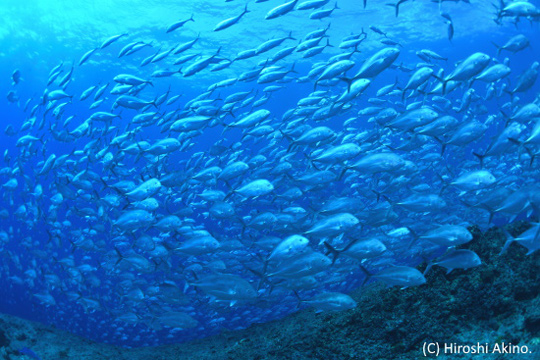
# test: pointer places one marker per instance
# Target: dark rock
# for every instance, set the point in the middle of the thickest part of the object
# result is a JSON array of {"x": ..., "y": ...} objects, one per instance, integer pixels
[
  {"x": 532, "y": 324},
  {"x": 4, "y": 341}
]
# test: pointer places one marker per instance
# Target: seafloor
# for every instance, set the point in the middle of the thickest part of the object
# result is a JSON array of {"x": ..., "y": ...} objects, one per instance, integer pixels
[{"x": 496, "y": 303}]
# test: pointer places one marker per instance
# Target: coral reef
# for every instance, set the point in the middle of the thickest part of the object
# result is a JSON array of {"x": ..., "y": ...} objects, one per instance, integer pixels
[{"x": 495, "y": 303}]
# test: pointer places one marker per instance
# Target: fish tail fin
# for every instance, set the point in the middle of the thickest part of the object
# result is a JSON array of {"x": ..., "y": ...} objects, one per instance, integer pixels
[
  {"x": 104, "y": 183},
  {"x": 50, "y": 236},
  {"x": 387, "y": 199},
  {"x": 194, "y": 274},
  {"x": 313, "y": 210},
  {"x": 415, "y": 237},
  {"x": 285, "y": 135},
  {"x": 290, "y": 36},
  {"x": 261, "y": 274},
  {"x": 342, "y": 173},
  {"x": 139, "y": 155},
  {"x": 481, "y": 158},
  {"x": 292, "y": 68},
  {"x": 315, "y": 166},
  {"x": 244, "y": 226},
  {"x": 120, "y": 256},
  {"x": 218, "y": 98},
  {"x": 515, "y": 141},
  {"x": 491, "y": 215},
  {"x": 356, "y": 47},
  {"x": 499, "y": 49},
  {"x": 531, "y": 154},
  {"x": 377, "y": 193},
  {"x": 291, "y": 146},
  {"x": 497, "y": 20},
  {"x": 443, "y": 145},
  {"x": 396, "y": 7},
  {"x": 348, "y": 81},
  {"x": 335, "y": 252},
  {"x": 230, "y": 112},
  {"x": 430, "y": 265},
  {"x": 332, "y": 250},
  {"x": 445, "y": 82},
  {"x": 367, "y": 274},
  {"x": 272, "y": 286},
  {"x": 327, "y": 28},
  {"x": 297, "y": 298},
  {"x": 509, "y": 240},
  {"x": 228, "y": 195},
  {"x": 536, "y": 210},
  {"x": 225, "y": 129}
]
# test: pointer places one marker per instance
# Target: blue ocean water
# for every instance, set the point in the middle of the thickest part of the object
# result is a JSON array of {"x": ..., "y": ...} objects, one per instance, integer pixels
[{"x": 73, "y": 263}]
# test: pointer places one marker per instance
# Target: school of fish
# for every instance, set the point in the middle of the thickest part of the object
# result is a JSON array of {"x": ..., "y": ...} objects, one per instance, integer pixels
[{"x": 362, "y": 180}]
